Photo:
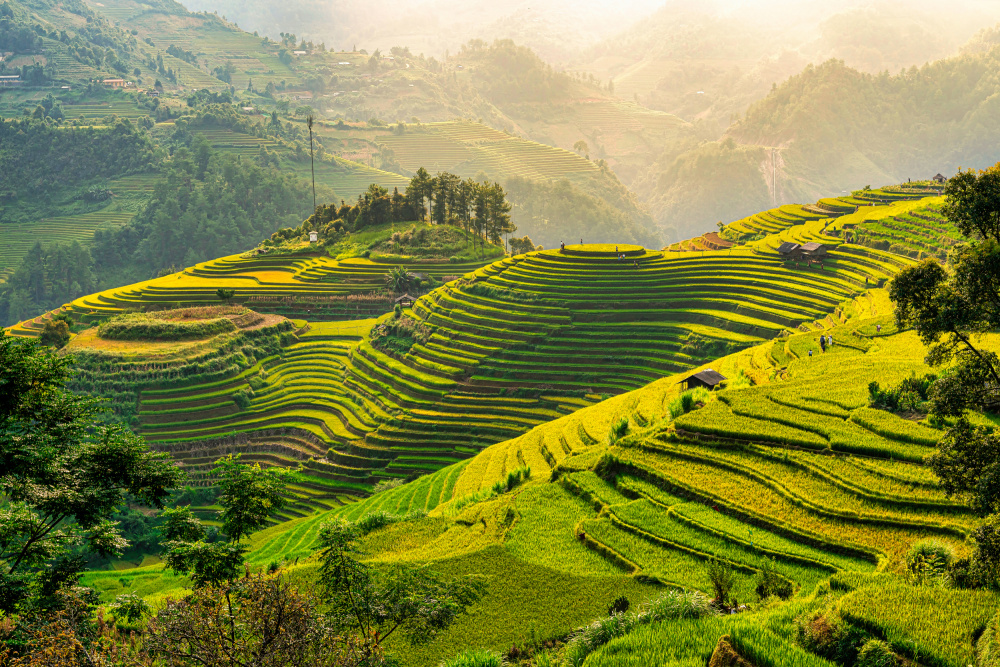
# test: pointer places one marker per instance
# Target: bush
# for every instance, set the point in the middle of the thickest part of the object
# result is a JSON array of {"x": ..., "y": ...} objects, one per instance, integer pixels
[
  {"x": 830, "y": 637},
  {"x": 929, "y": 560},
  {"x": 723, "y": 578},
  {"x": 619, "y": 606},
  {"x": 769, "y": 583},
  {"x": 55, "y": 334},
  {"x": 142, "y": 326},
  {"x": 618, "y": 430},
  {"x": 478, "y": 657},
  {"x": 375, "y": 520},
  {"x": 387, "y": 484},
  {"x": 242, "y": 397},
  {"x": 876, "y": 653}
]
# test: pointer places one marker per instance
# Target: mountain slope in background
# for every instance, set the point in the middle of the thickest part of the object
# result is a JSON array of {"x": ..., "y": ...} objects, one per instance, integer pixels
[{"x": 833, "y": 128}]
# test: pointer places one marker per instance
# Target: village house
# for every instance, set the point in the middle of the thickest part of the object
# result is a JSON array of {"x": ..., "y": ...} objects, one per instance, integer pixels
[
  {"x": 10, "y": 80},
  {"x": 707, "y": 378},
  {"x": 114, "y": 83}
]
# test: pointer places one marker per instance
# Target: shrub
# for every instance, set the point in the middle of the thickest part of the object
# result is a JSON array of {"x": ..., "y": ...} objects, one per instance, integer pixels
[
  {"x": 828, "y": 636},
  {"x": 769, "y": 583},
  {"x": 619, "y": 606},
  {"x": 141, "y": 326},
  {"x": 723, "y": 578},
  {"x": 375, "y": 520},
  {"x": 618, "y": 430},
  {"x": 929, "y": 560},
  {"x": 55, "y": 334},
  {"x": 242, "y": 397},
  {"x": 478, "y": 657},
  {"x": 129, "y": 608},
  {"x": 387, "y": 484},
  {"x": 876, "y": 653}
]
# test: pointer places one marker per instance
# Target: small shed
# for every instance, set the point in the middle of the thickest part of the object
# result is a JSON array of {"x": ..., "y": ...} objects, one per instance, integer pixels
[
  {"x": 940, "y": 178},
  {"x": 405, "y": 301},
  {"x": 813, "y": 250},
  {"x": 788, "y": 249},
  {"x": 707, "y": 378},
  {"x": 313, "y": 237}
]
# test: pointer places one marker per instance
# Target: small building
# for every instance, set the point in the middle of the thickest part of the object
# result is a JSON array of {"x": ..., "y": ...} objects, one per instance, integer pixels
[
  {"x": 299, "y": 53},
  {"x": 405, "y": 301},
  {"x": 10, "y": 80},
  {"x": 313, "y": 237},
  {"x": 940, "y": 178},
  {"x": 707, "y": 378},
  {"x": 114, "y": 83},
  {"x": 813, "y": 250},
  {"x": 789, "y": 249},
  {"x": 153, "y": 93}
]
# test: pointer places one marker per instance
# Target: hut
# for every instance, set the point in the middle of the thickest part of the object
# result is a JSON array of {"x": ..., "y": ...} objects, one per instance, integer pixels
[
  {"x": 707, "y": 378},
  {"x": 940, "y": 178},
  {"x": 789, "y": 250},
  {"x": 313, "y": 237},
  {"x": 813, "y": 250},
  {"x": 405, "y": 301}
]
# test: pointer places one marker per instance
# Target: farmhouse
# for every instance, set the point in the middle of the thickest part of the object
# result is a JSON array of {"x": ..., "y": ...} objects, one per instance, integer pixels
[
  {"x": 789, "y": 249},
  {"x": 114, "y": 83},
  {"x": 10, "y": 80},
  {"x": 707, "y": 378},
  {"x": 940, "y": 178},
  {"x": 811, "y": 250}
]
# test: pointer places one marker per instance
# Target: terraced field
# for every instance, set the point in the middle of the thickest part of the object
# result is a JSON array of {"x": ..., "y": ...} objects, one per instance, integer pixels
[
  {"x": 16, "y": 240},
  {"x": 466, "y": 148},
  {"x": 796, "y": 474},
  {"x": 505, "y": 347}
]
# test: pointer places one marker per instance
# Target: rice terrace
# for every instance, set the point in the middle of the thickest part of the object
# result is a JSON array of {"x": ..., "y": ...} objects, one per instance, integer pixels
[{"x": 340, "y": 335}]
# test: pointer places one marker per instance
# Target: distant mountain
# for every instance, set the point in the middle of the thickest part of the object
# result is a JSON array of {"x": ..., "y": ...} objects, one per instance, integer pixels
[
  {"x": 833, "y": 128},
  {"x": 710, "y": 60},
  {"x": 557, "y": 29}
]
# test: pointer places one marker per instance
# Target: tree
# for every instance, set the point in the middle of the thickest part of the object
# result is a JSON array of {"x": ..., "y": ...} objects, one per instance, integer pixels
[
  {"x": 420, "y": 190},
  {"x": 950, "y": 310},
  {"x": 398, "y": 279},
  {"x": 65, "y": 473},
  {"x": 581, "y": 147},
  {"x": 55, "y": 334},
  {"x": 225, "y": 294},
  {"x": 260, "y": 619},
  {"x": 312, "y": 164},
  {"x": 250, "y": 494},
  {"x": 374, "y": 604}
]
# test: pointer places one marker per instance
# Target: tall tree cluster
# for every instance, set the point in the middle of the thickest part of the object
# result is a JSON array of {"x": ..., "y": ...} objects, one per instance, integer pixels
[
  {"x": 480, "y": 208},
  {"x": 45, "y": 279}
]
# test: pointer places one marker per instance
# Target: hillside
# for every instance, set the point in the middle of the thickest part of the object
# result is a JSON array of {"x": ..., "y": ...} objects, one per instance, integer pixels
[
  {"x": 494, "y": 351},
  {"x": 795, "y": 472},
  {"x": 830, "y": 129}
]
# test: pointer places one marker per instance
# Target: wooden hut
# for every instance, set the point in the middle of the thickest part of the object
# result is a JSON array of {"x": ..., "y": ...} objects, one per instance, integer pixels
[
  {"x": 940, "y": 178},
  {"x": 405, "y": 301},
  {"x": 813, "y": 250},
  {"x": 789, "y": 250},
  {"x": 707, "y": 378}
]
